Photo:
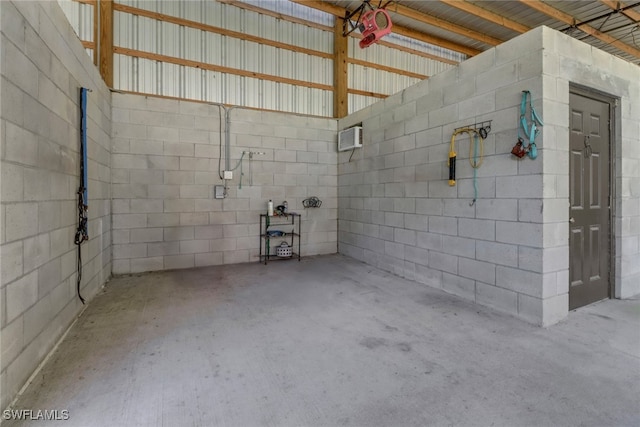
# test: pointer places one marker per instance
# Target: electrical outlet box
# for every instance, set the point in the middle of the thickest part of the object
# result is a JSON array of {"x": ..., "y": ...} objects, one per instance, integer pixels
[
  {"x": 227, "y": 174},
  {"x": 218, "y": 191}
]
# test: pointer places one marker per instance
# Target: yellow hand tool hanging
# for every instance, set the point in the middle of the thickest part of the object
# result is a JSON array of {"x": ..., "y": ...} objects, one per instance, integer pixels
[{"x": 452, "y": 152}]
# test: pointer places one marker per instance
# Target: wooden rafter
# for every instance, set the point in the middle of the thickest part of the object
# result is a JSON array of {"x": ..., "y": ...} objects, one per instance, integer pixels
[
  {"x": 445, "y": 25},
  {"x": 218, "y": 68},
  {"x": 105, "y": 60},
  {"x": 586, "y": 28},
  {"x": 311, "y": 24},
  {"x": 397, "y": 29},
  {"x": 217, "y": 30},
  {"x": 487, "y": 15},
  {"x": 629, "y": 13},
  {"x": 340, "y": 72},
  {"x": 385, "y": 68}
]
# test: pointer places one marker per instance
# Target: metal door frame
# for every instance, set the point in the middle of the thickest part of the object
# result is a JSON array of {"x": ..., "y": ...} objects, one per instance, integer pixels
[{"x": 614, "y": 138}]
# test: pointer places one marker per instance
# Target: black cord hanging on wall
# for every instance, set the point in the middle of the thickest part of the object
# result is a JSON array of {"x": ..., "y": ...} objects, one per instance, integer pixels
[{"x": 82, "y": 233}]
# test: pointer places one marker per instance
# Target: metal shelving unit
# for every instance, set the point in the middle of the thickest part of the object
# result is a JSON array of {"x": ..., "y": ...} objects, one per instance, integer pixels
[{"x": 290, "y": 225}]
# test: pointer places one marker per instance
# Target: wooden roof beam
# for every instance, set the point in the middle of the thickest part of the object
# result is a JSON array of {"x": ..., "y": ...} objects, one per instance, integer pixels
[
  {"x": 586, "y": 28},
  {"x": 397, "y": 29},
  {"x": 629, "y": 13},
  {"x": 441, "y": 23},
  {"x": 480, "y": 12}
]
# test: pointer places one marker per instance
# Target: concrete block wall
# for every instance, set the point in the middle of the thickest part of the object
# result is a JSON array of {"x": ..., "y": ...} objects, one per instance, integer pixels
[
  {"x": 165, "y": 161},
  {"x": 509, "y": 250},
  {"x": 566, "y": 62},
  {"x": 43, "y": 67}
]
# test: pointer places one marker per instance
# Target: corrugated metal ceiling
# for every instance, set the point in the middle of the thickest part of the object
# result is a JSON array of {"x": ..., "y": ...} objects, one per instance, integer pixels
[{"x": 597, "y": 14}]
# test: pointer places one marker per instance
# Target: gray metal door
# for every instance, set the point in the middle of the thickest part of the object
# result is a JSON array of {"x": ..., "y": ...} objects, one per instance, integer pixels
[{"x": 589, "y": 183}]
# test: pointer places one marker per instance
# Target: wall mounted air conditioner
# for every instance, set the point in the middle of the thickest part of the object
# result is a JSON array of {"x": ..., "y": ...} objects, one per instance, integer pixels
[{"x": 350, "y": 138}]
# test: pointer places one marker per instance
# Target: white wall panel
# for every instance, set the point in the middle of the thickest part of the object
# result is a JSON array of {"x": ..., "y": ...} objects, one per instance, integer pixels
[{"x": 164, "y": 38}]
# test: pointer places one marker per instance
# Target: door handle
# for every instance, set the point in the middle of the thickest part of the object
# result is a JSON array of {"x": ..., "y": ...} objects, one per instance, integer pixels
[{"x": 572, "y": 220}]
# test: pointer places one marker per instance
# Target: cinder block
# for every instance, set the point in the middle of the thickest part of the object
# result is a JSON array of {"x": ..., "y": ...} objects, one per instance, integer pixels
[
  {"x": 497, "y": 253},
  {"x": 460, "y": 286},
  {"x": 194, "y": 246},
  {"x": 12, "y": 260},
  {"x": 443, "y": 225},
  {"x": 163, "y": 219},
  {"x": 140, "y": 265},
  {"x": 164, "y": 248},
  {"x": 49, "y": 276},
  {"x": 416, "y": 222},
  {"x": 498, "y": 298},
  {"x": 142, "y": 146},
  {"x": 208, "y": 231},
  {"x": 523, "y": 282},
  {"x": 20, "y": 70},
  {"x": 498, "y": 209},
  {"x": 555, "y": 234},
  {"x": 186, "y": 149},
  {"x": 121, "y": 236},
  {"x": 161, "y": 192},
  {"x": 129, "y": 131},
  {"x": 231, "y": 204},
  {"x": 179, "y": 177},
  {"x": 144, "y": 235},
  {"x": 21, "y": 145},
  {"x": 178, "y": 233},
  {"x": 429, "y": 241},
  {"x": 530, "y": 309},
  {"x": 478, "y": 270},
  {"x": 527, "y": 234},
  {"x": 21, "y": 295},
  {"x": 121, "y": 221},
  {"x": 36, "y": 253},
  {"x": 163, "y": 162},
  {"x": 12, "y": 182},
  {"x": 179, "y": 205},
  {"x": 194, "y": 218},
  {"x": 555, "y": 259},
  {"x": 194, "y": 164},
  {"x": 129, "y": 161},
  {"x": 530, "y": 210},
  {"x": 458, "y": 208},
  {"x": 459, "y": 246},
  {"x": 236, "y": 256},
  {"x": 195, "y": 191},
  {"x": 519, "y": 187},
  {"x": 37, "y": 317},
  {"x": 150, "y": 176},
  {"x": 477, "y": 229},
  {"x": 12, "y": 106},
  {"x": 444, "y": 262},
  {"x": 179, "y": 261},
  {"x": 407, "y": 237},
  {"x": 215, "y": 258},
  {"x": 555, "y": 309},
  {"x": 61, "y": 241},
  {"x": 21, "y": 220},
  {"x": 143, "y": 205}
]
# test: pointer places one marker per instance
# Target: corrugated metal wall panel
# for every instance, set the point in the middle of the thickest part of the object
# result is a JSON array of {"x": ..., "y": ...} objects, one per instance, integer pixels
[
  {"x": 80, "y": 16},
  {"x": 358, "y": 102},
  {"x": 172, "y": 40},
  {"x": 149, "y": 35}
]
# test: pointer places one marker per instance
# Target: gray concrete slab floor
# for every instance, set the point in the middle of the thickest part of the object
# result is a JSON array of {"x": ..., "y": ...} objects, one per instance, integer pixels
[{"x": 330, "y": 341}]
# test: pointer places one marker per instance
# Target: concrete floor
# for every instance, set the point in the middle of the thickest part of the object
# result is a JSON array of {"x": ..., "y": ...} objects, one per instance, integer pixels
[{"x": 330, "y": 341}]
